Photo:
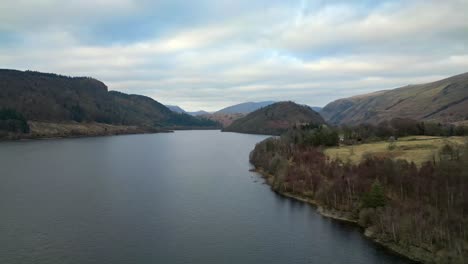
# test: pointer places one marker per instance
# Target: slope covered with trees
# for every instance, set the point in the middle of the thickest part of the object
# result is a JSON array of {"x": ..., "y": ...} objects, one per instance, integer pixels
[
  {"x": 420, "y": 212},
  {"x": 54, "y": 98},
  {"x": 275, "y": 119},
  {"x": 444, "y": 101}
]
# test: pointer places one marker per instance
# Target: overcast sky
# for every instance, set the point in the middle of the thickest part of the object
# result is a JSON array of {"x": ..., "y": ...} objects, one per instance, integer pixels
[{"x": 211, "y": 54}]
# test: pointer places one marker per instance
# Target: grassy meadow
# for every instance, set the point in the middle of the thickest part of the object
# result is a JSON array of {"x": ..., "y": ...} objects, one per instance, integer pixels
[{"x": 417, "y": 149}]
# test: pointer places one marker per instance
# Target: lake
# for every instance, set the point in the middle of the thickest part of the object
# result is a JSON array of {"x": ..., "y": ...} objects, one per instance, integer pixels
[{"x": 183, "y": 197}]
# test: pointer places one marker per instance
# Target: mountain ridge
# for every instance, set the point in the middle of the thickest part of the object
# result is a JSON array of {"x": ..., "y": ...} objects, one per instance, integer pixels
[{"x": 444, "y": 101}]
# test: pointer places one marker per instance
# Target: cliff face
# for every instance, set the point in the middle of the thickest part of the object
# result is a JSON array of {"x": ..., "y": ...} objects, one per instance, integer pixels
[{"x": 443, "y": 101}]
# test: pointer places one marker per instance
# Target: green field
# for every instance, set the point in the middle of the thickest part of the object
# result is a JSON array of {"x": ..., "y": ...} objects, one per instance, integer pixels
[{"x": 417, "y": 149}]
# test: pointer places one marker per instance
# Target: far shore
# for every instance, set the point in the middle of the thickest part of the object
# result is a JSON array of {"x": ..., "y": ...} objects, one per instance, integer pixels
[
  {"x": 77, "y": 136},
  {"x": 49, "y": 130}
]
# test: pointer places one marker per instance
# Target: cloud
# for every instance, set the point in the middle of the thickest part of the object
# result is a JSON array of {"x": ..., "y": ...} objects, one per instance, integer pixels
[{"x": 209, "y": 54}]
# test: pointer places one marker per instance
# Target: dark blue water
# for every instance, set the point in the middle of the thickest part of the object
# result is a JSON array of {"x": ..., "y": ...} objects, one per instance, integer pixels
[{"x": 184, "y": 197}]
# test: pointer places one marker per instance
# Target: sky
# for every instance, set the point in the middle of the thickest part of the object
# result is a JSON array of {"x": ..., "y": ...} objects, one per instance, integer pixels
[{"x": 211, "y": 54}]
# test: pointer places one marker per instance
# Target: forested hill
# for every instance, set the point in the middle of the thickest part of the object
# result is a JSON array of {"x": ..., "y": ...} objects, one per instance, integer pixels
[
  {"x": 49, "y": 97},
  {"x": 275, "y": 119},
  {"x": 444, "y": 101}
]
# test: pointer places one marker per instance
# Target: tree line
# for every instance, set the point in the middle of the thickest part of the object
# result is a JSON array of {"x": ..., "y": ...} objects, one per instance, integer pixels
[
  {"x": 323, "y": 135},
  {"x": 12, "y": 121},
  {"x": 399, "y": 127}
]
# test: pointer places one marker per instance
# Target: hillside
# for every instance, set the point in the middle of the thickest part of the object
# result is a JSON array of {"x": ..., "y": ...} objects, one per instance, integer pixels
[
  {"x": 224, "y": 119},
  {"x": 444, "y": 101},
  {"x": 52, "y": 98},
  {"x": 397, "y": 203},
  {"x": 244, "y": 108},
  {"x": 275, "y": 119}
]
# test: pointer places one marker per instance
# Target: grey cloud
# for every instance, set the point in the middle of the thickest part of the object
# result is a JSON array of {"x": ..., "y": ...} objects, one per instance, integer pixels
[{"x": 310, "y": 53}]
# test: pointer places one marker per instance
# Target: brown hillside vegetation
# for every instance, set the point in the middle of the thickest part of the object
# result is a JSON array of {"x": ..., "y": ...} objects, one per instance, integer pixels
[
  {"x": 443, "y": 101},
  {"x": 224, "y": 119},
  {"x": 275, "y": 119},
  {"x": 74, "y": 129}
]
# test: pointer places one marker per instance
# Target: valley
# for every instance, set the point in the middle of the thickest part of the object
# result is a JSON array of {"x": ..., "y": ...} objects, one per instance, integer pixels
[
  {"x": 356, "y": 164},
  {"x": 233, "y": 132}
]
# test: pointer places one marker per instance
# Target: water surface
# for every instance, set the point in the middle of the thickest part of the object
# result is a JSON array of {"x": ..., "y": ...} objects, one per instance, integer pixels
[{"x": 184, "y": 197}]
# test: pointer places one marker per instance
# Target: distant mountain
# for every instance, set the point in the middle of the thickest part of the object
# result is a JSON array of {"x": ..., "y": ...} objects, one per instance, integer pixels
[
  {"x": 199, "y": 113},
  {"x": 316, "y": 108},
  {"x": 176, "y": 108},
  {"x": 52, "y": 98},
  {"x": 275, "y": 119},
  {"x": 443, "y": 101},
  {"x": 244, "y": 108}
]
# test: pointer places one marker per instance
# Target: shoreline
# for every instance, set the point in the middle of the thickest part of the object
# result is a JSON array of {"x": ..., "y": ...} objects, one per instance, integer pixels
[
  {"x": 31, "y": 138},
  {"x": 20, "y": 139},
  {"x": 340, "y": 216},
  {"x": 49, "y": 130}
]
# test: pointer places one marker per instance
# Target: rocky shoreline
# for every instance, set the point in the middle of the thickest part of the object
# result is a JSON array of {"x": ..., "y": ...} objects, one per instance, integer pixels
[{"x": 415, "y": 254}]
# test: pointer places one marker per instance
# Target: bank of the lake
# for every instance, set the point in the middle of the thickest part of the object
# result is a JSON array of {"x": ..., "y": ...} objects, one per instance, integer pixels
[
  {"x": 418, "y": 255},
  {"x": 51, "y": 130}
]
